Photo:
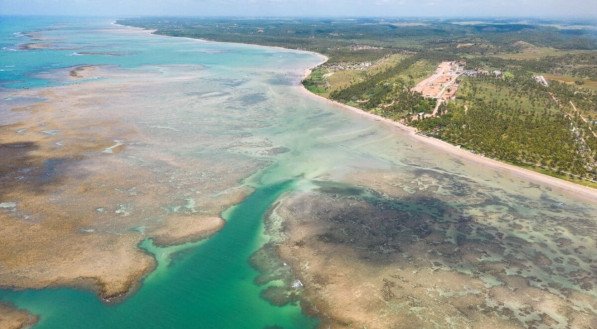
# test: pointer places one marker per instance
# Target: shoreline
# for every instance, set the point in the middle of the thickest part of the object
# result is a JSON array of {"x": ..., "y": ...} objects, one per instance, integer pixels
[
  {"x": 311, "y": 303},
  {"x": 581, "y": 191},
  {"x": 155, "y": 32}
]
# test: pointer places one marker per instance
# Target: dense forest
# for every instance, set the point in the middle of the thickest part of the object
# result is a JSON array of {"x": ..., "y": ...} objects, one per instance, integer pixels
[{"x": 336, "y": 37}]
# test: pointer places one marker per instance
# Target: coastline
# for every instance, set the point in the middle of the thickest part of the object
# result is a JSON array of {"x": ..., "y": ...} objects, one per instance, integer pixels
[
  {"x": 584, "y": 192},
  {"x": 291, "y": 253},
  {"x": 155, "y": 32},
  {"x": 570, "y": 187}
]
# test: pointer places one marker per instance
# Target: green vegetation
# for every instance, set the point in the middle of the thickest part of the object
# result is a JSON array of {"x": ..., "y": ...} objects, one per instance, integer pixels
[
  {"x": 374, "y": 63},
  {"x": 518, "y": 121},
  {"x": 316, "y": 82},
  {"x": 387, "y": 92},
  {"x": 369, "y": 39}
]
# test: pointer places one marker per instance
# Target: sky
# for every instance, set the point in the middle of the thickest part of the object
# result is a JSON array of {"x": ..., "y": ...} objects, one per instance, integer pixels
[{"x": 295, "y": 8}]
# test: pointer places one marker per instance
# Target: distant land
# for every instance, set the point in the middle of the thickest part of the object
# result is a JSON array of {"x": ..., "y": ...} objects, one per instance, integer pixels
[{"x": 520, "y": 91}]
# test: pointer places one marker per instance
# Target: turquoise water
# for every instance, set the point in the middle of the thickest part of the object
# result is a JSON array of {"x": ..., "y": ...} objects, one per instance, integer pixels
[
  {"x": 100, "y": 45},
  {"x": 206, "y": 111},
  {"x": 207, "y": 286},
  {"x": 204, "y": 285}
]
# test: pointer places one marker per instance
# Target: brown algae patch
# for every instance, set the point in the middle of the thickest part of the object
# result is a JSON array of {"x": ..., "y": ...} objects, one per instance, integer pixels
[
  {"x": 37, "y": 40},
  {"x": 382, "y": 259},
  {"x": 34, "y": 46},
  {"x": 12, "y": 318},
  {"x": 80, "y": 72}
]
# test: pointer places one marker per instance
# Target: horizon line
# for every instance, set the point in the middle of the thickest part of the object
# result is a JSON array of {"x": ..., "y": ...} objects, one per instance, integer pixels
[{"x": 410, "y": 17}]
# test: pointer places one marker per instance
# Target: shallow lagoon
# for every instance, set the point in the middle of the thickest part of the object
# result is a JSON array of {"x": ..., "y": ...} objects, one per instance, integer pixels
[{"x": 235, "y": 111}]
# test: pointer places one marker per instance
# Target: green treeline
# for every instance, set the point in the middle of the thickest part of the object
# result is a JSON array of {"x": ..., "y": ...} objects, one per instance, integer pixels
[{"x": 517, "y": 120}]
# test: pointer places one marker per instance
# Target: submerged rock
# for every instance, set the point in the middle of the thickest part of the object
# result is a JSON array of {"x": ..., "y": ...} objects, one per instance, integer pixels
[
  {"x": 279, "y": 296},
  {"x": 297, "y": 284},
  {"x": 8, "y": 205}
]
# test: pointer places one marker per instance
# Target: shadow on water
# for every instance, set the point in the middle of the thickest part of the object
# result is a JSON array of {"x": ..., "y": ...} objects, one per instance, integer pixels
[{"x": 211, "y": 286}]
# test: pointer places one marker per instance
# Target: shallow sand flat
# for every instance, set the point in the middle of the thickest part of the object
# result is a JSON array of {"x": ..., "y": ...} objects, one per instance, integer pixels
[
  {"x": 393, "y": 257},
  {"x": 186, "y": 228},
  {"x": 11, "y": 318},
  {"x": 87, "y": 177}
]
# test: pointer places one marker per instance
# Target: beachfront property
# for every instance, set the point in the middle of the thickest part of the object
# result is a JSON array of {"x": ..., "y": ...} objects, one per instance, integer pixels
[{"x": 347, "y": 66}]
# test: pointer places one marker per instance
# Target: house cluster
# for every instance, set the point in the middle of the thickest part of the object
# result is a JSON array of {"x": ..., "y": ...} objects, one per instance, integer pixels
[
  {"x": 476, "y": 73},
  {"x": 348, "y": 66},
  {"x": 364, "y": 47},
  {"x": 443, "y": 84}
]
